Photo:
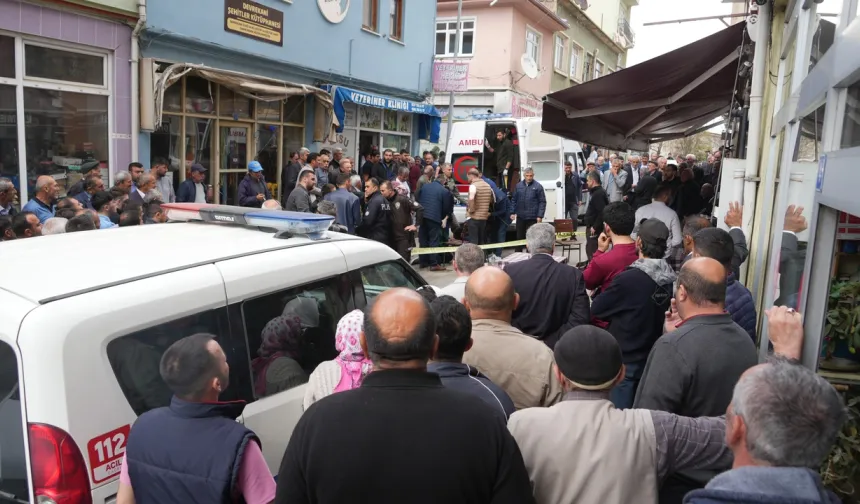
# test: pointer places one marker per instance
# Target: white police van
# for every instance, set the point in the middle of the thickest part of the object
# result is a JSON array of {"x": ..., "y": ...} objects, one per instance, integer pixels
[{"x": 85, "y": 317}]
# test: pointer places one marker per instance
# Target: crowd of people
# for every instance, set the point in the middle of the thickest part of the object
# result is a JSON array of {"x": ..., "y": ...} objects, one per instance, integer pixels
[
  {"x": 444, "y": 399},
  {"x": 134, "y": 199}
]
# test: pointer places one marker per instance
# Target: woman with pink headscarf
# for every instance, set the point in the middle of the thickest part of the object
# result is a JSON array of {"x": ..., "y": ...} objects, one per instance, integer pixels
[{"x": 348, "y": 369}]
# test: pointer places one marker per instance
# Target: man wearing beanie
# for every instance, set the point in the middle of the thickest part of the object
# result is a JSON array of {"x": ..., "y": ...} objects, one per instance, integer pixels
[
  {"x": 583, "y": 449},
  {"x": 635, "y": 304}
]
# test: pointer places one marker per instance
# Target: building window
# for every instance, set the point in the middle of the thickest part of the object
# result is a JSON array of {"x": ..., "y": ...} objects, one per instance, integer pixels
[
  {"x": 395, "y": 30},
  {"x": 559, "y": 56},
  {"x": 589, "y": 67},
  {"x": 370, "y": 15},
  {"x": 598, "y": 69},
  {"x": 446, "y": 37},
  {"x": 60, "y": 65},
  {"x": 575, "y": 61},
  {"x": 533, "y": 45}
]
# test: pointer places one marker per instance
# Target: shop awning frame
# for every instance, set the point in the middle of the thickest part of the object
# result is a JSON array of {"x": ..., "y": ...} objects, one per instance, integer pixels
[
  {"x": 430, "y": 119},
  {"x": 249, "y": 86},
  {"x": 671, "y": 96}
]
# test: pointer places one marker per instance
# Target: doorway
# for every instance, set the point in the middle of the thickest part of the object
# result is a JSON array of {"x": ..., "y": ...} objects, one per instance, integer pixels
[{"x": 234, "y": 155}]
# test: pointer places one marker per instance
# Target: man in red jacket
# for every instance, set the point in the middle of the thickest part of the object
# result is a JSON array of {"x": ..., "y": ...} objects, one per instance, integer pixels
[{"x": 619, "y": 219}]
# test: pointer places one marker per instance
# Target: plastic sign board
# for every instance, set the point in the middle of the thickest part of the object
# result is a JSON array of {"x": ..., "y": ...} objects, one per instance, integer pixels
[{"x": 449, "y": 76}]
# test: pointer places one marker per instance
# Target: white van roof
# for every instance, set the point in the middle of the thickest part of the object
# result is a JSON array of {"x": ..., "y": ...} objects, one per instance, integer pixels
[{"x": 57, "y": 266}]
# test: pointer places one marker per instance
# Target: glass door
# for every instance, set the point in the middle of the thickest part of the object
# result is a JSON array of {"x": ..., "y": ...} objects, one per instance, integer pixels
[{"x": 234, "y": 155}]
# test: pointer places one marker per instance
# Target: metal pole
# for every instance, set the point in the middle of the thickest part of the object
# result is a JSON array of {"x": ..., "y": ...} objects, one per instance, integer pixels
[{"x": 451, "y": 94}]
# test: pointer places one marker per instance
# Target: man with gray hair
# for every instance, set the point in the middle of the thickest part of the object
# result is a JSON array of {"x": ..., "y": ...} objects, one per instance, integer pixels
[
  {"x": 8, "y": 195},
  {"x": 529, "y": 203},
  {"x": 468, "y": 258},
  {"x": 781, "y": 424},
  {"x": 122, "y": 182},
  {"x": 552, "y": 295},
  {"x": 145, "y": 183},
  {"x": 54, "y": 225}
]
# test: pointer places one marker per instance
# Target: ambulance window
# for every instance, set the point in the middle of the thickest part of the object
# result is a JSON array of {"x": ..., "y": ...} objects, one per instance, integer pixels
[
  {"x": 289, "y": 333},
  {"x": 13, "y": 467},
  {"x": 135, "y": 358},
  {"x": 379, "y": 278}
]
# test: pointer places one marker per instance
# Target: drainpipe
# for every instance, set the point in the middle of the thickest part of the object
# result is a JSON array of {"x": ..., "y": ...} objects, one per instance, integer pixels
[
  {"x": 135, "y": 78},
  {"x": 759, "y": 76}
]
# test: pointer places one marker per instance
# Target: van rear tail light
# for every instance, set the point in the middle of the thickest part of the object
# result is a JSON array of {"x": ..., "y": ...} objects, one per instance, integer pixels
[{"x": 59, "y": 470}]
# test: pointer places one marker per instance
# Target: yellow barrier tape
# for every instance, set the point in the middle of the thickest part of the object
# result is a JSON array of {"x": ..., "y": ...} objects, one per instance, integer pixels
[{"x": 488, "y": 246}]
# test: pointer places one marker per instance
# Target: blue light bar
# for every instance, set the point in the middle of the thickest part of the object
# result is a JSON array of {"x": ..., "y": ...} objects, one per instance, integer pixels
[{"x": 279, "y": 220}]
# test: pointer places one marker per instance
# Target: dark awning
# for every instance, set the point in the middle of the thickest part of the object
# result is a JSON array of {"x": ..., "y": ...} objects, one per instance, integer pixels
[{"x": 667, "y": 97}]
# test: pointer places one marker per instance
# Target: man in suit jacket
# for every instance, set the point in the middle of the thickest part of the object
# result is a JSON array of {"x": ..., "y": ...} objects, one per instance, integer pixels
[
  {"x": 552, "y": 295},
  {"x": 145, "y": 183}
]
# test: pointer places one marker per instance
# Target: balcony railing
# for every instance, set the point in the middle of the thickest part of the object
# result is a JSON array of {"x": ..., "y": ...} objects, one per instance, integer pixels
[{"x": 626, "y": 32}]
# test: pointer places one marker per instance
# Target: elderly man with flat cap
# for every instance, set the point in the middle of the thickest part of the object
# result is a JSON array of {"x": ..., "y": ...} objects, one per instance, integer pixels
[
  {"x": 402, "y": 436},
  {"x": 614, "y": 456}
]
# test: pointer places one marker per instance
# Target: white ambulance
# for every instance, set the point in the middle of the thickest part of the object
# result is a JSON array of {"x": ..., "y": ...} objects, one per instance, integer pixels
[
  {"x": 543, "y": 152},
  {"x": 85, "y": 317}
]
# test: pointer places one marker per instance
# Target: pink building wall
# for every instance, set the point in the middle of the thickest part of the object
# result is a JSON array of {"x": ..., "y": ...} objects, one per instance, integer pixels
[{"x": 500, "y": 41}]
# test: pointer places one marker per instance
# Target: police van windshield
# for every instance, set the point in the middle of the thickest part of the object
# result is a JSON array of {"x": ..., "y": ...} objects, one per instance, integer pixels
[{"x": 13, "y": 465}]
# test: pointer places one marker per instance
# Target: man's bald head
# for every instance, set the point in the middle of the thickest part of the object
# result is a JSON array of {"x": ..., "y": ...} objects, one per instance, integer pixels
[
  {"x": 704, "y": 282},
  {"x": 399, "y": 327},
  {"x": 489, "y": 289}
]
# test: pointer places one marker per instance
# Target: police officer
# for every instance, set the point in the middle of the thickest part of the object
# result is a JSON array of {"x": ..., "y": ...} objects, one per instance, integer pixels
[
  {"x": 376, "y": 222},
  {"x": 194, "y": 451}
]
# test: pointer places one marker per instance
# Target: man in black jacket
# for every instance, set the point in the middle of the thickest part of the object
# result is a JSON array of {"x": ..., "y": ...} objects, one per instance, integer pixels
[
  {"x": 552, "y": 295},
  {"x": 594, "y": 213},
  {"x": 454, "y": 328},
  {"x": 472, "y": 459},
  {"x": 376, "y": 222},
  {"x": 572, "y": 192},
  {"x": 635, "y": 304},
  {"x": 693, "y": 368}
]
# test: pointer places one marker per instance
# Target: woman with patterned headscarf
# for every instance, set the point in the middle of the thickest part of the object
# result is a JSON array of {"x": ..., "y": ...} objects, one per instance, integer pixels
[
  {"x": 348, "y": 369},
  {"x": 277, "y": 368}
]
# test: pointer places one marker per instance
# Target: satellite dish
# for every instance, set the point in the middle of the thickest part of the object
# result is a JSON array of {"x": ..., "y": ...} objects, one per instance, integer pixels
[{"x": 529, "y": 66}]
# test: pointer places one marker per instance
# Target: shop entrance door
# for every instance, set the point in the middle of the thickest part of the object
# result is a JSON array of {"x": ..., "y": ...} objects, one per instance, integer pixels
[{"x": 234, "y": 154}]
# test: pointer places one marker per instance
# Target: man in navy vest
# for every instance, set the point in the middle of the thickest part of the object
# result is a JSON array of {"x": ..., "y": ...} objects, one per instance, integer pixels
[{"x": 194, "y": 451}]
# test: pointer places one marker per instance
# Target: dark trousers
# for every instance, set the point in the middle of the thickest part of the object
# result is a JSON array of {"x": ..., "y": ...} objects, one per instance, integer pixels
[
  {"x": 590, "y": 246},
  {"x": 623, "y": 394},
  {"x": 477, "y": 231},
  {"x": 571, "y": 211},
  {"x": 401, "y": 246},
  {"x": 523, "y": 225},
  {"x": 498, "y": 233},
  {"x": 429, "y": 235}
]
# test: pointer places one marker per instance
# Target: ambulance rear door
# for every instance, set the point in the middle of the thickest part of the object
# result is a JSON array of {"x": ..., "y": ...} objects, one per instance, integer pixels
[{"x": 544, "y": 153}]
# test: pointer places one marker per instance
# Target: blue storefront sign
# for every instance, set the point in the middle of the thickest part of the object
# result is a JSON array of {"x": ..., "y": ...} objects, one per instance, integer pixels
[{"x": 429, "y": 118}]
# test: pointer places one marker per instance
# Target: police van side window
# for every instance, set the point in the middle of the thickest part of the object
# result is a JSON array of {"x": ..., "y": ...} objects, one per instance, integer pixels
[
  {"x": 290, "y": 332},
  {"x": 13, "y": 465},
  {"x": 135, "y": 358},
  {"x": 379, "y": 278}
]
